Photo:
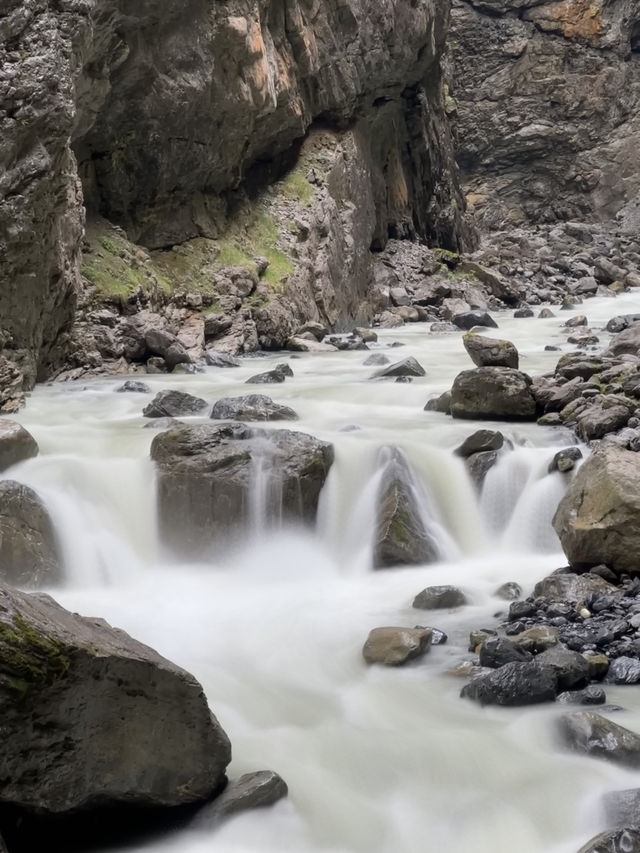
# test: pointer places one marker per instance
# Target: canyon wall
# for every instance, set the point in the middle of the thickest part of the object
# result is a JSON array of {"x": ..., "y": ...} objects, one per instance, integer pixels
[
  {"x": 546, "y": 95},
  {"x": 168, "y": 119}
]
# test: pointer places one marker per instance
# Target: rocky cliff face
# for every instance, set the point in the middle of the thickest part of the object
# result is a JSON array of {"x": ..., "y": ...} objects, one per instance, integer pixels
[
  {"x": 547, "y": 95},
  {"x": 170, "y": 120}
]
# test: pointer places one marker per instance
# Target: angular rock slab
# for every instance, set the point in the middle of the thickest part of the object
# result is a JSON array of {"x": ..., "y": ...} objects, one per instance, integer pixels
[
  {"x": 91, "y": 717},
  {"x": 251, "y": 407},
  {"x": 592, "y": 734},
  {"x": 396, "y": 646},
  {"x": 174, "y": 404},
  {"x": 401, "y": 538},
  {"x": 598, "y": 519},
  {"x": 493, "y": 393},
  {"x": 29, "y": 553},
  {"x": 208, "y": 474},
  {"x": 512, "y": 684},
  {"x": 16, "y": 444},
  {"x": 250, "y": 791}
]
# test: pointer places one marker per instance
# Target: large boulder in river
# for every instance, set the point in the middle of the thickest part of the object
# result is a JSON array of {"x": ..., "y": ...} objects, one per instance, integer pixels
[
  {"x": 209, "y": 476},
  {"x": 493, "y": 393},
  {"x": 401, "y": 537},
  {"x": 174, "y": 404},
  {"x": 251, "y": 407},
  {"x": 16, "y": 444},
  {"x": 598, "y": 519},
  {"x": 407, "y": 367},
  {"x": 591, "y": 734},
  {"x": 92, "y": 718},
  {"x": 29, "y": 554},
  {"x": 490, "y": 352}
]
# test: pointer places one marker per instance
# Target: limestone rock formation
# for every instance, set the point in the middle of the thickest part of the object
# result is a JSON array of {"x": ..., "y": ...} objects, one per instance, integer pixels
[
  {"x": 597, "y": 520},
  {"x": 94, "y": 718},
  {"x": 209, "y": 477}
]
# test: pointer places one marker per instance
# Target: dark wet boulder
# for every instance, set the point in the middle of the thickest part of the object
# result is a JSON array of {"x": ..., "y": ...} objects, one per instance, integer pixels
[
  {"x": 252, "y": 407},
  {"x": 439, "y": 598},
  {"x": 396, "y": 646},
  {"x": 606, "y": 414},
  {"x": 174, "y": 404},
  {"x": 513, "y": 684},
  {"x": 621, "y": 322},
  {"x": 251, "y": 791},
  {"x": 591, "y": 734},
  {"x": 207, "y": 476},
  {"x": 469, "y": 319},
  {"x": 479, "y": 465},
  {"x": 133, "y": 386},
  {"x": 493, "y": 393},
  {"x": 570, "y": 668},
  {"x": 497, "y": 651},
  {"x": 597, "y": 519},
  {"x": 591, "y": 695},
  {"x": 220, "y": 359},
  {"x": 490, "y": 352},
  {"x": 271, "y": 377},
  {"x": 626, "y": 342},
  {"x": 623, "y": 670},
  {"x": 626, "y": 840},
  {"x": 94, "y": 719},
  {"x": 522, "y": 313},
  {"x": 565, "y": 460},
  {"x": 16, "y": 444},
  {"x": 29, "y": 551},
  {"x": 481, "y": 441},
  {"x": 407, "y": 367},
  {"x": 401, "y": 537}
]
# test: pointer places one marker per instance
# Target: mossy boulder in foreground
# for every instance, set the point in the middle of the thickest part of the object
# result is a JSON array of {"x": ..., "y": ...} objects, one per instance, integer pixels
[{"x": 92, "y": 718}]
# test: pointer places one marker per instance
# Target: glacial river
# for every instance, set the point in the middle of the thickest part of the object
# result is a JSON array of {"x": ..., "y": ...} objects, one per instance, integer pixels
[{"x": 377, "y": 760}]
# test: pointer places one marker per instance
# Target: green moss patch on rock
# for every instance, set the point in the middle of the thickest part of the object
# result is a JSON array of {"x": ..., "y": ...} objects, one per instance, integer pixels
[{"x": 29, "y": 660}]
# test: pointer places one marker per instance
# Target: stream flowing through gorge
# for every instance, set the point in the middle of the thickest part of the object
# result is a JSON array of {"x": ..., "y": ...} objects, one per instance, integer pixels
[{"x": 378, "y": 760}]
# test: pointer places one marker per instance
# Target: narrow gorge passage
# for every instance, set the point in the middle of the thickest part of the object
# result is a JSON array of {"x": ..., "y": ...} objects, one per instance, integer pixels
[{"x": 376, "y": 759}]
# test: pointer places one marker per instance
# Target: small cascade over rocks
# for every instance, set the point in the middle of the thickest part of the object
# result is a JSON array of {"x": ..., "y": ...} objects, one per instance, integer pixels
[
  {"x": 407, "y": 531},
  {"x": 214, "y": 480}
]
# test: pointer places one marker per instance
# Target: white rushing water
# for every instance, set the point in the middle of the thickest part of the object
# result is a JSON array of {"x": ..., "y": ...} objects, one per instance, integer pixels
[{"x": 377, "y": 760}]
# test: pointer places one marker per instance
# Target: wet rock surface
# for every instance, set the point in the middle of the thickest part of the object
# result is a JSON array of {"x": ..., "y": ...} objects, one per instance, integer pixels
[
  {"x": 29, "y": 550},
  {"x": 94, "y": 718},
  {"x": 396, "y": 646},
  {"x": 493, "y": 393},
  {"x": 253, "y": 407},
  {"x": 592, "y": 734},
  {"x": 16, "y": 444},
  {"x": 251, "y": 791},
  {"x": 174, "y": 404},
  {"x": 206, "y": 482}
]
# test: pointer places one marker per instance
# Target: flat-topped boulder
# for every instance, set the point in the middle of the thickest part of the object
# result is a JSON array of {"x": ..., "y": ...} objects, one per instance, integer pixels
[
  {"x": 251, "y": 407},
  {"x": 597, "y": 519},
  {"x": 500, "y": 393},
  {"x": 92, "y": 718},
  {"x": 208, "y": 477}
]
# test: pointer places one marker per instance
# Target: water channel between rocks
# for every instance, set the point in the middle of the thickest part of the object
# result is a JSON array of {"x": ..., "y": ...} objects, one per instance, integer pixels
[{"x": 377, "y": 760}]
